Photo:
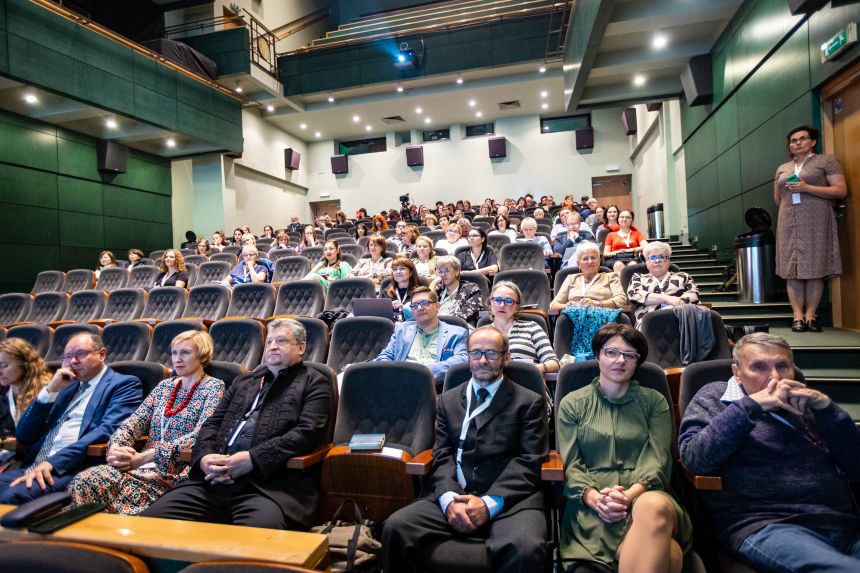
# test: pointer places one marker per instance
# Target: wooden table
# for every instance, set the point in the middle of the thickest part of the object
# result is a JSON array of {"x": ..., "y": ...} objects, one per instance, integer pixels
[{"x": 187, "y": 541}]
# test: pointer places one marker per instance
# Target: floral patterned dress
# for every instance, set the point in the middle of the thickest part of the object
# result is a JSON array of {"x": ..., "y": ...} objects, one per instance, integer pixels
[{"x": 132, "y": 492}]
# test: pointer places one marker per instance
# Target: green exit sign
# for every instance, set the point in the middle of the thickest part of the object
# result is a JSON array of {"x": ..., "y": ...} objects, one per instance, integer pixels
[{"x": 835, "y": 46}]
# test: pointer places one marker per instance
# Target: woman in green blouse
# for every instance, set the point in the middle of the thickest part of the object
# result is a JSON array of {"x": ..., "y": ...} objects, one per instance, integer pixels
[
  {"x": 615, "y": 440},
  {"x": 331, "y": 266}
]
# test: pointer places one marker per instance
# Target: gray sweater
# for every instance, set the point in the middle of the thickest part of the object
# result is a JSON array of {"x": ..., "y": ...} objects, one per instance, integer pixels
[{"x": 771, "y": 472}]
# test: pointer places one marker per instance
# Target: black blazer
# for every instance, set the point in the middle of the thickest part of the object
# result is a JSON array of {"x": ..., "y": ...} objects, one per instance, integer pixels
[
  {"x": 293, "y": 421},
  {"x": 503, "y": 458}
]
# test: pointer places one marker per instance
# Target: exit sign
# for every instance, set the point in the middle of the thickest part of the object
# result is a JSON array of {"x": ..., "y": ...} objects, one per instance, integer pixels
[{"x": 835, "y": 46}]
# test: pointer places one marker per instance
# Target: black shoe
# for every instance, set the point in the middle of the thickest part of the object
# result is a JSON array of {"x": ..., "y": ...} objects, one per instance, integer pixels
[
  {"x": 798, "y": 326},
  {"x": 813, "y": 326}
]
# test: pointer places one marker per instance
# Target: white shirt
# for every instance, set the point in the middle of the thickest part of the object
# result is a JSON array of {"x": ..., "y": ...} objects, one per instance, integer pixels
[
  {"x": 13, "y": 408},
  {"x": 70, "y": 430}
]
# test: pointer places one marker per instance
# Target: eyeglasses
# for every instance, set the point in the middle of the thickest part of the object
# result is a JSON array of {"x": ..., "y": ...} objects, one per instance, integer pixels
[
  {"x": 797, "y": 140},
  {"x": 490, "y": 355},
  {"x": 614, "y": 353},
  {"x": 279, "y": 341},
  {"x": 420, "y": 304},
  {"x": 443, "y": 271},
  {"x": 452, "y": 231},
  {"x": 507, "y": 301},
  {"x": 79, "y": 355},
  {"x": 471, "y": 236},
  {"x": 658, "y": 258}
]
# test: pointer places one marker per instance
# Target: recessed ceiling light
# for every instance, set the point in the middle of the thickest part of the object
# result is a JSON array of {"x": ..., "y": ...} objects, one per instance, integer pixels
[
  {"x": 427, "y": 120},
  {"x": 472, "y": 103},
  {"x": 400, "y": 89},
  {"x": 270, "y": 108},
  {"x": 542, "y": 69},
  {"x": 170, "y": 143},
  {"x": 368, "y": 127},
  {"x": 419, "y": 110},
  {"x": 303, "y": 125},
  {"x": 111, "y": 124},
  {"x": 638, "y": 80},
  {"x": 356, "y": 118},
  {"x": 478, "y": 114},
  {"x": 546, "y": 128},
  {"x": 331, "y": 99},
  {"x": 31, "y": 99},
  {"x": 659, "y": 42},
  {"x": 459, "y": 80},
  {"x": 317, "y": 134},
  {"x": 238, "y": 89},
  {"x": 544, "y": 93},
  {"x": 544, "y": 106}
]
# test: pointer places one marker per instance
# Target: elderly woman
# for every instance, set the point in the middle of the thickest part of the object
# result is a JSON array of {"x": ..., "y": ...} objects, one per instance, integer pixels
[
  {"x": 23, "y": 374},
  {"x": 309, "y": 239},
  {"x": 659, "y": 287},
  {"x": 171, "y": 416},
  {"x": 623, "y": 246},
  {"x": 425, "y": 257},
  {"x": 377, "y": 266},
  {"x": 404, "y": 280},
  {"x": 480, "y": 257},
  {"x": 452, "y": 240},
  {"x": 527, "y": 340},
  {"x": 589, "y": 287},
  {"x": 456, "y": 297},
  {"x": 173, "y": 272},
  {"x": 807, "y": 245},
  {"x": 615, "y": 440},
  {"x": 331, "y": 266},
  {"x": 528, "y": 226},
  {"x": 249, "y": 269}
]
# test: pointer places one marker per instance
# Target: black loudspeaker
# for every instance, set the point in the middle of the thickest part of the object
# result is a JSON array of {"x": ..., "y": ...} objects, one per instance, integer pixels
[
  {"x": 292, "y": 158},
  {"x": 698, "y": 81},
  {"x": 339, "y": 164},
  {"x": 112, "y": 157},
  {"x": 585, "y": 138},
  {"x": 628, "y": 118},
  {"x": 805, "y": 6},
  {"x": 415, "y": 156},
  {"x": 498, "y": 147}
]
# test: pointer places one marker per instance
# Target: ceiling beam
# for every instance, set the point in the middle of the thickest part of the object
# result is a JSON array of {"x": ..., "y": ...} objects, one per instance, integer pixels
[
  {"x": 632, "y": 17},
  {"x": 625, "y": 93},
  {"x": 588, "y": 22}
]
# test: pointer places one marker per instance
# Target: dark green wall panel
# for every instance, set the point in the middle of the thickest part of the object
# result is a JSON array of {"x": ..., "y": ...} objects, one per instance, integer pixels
[
  {"x": 145, "y": 175},
  {"x": 81, "y": 230},
  {"x": 702, "y": 189},
  {"x": 77, "y": 159},
  {"x": 761, "y": 197},
  {"x": 729, "y": 173},
  {"x": 731, "y": 225},
  {"x": 30, "y": 260},
  {"x": 692, "y": 118},
  {"x": 766, "y": 24},
  {"x": 22, "y": 186},
  {"x": 122, "y": 234},
  {"x": 38, "y": 65},
  {"x": 701, "y": 148},
  {"x": 79, "y": 257},
  {"x": 133, "y": 204},
  {"x": 726, "y": 125},
  {"x": 155, "y": 107},
  {"x": 27, "y": 147},
  {"x": 102, "y": 88},
  {"x": 35, "y": 224},
  {"x": 80, "y": 195},
  {"x": 229, "y": 49}
]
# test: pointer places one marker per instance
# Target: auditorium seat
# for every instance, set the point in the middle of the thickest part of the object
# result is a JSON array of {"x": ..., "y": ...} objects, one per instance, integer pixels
[
  {"x": 435, "y": 235},
  {"x": 342, "y": 292},
  {"x": 83, "y": 306},
  {"x": 534, "y": 285},
  {"x": 252, "y": 300},
  {"x": 62, "y": 334},
  {"x": 14, "y": 307},
  {"x": 2, "y": 334},
  {"x": 349, "y": 258},
  {"x": 122, "y": 304},
  {"x": 47, "y": 307},
  {"x": 126, "y": 341},
  {"x": 627, "y": 272},
  {"x": 571, "y": 270},
  {"x": 38, "y": 335},
  {"x": 317, "y": 339},
  {"x": 358, "y": 338},
  {"x": 291, "y": 268},
  {"x": 49, "y": 281},
  {"x": 536, "y": 318},
  {"x": 276, "y": 254},
  {"x": 479, "y": 279},
  {"x": 225, "y": 257},
  {"x": 313, "y": 254},
  {"x": 563, "y": 335},
  {"x": 162, "y": 336},
  {"x": 196, "y": 259},
  {"x": 233, "y": 249},
  {"x": 498, "y": 241},
  {"x": 353, "y": 249},
  {"x": 42, "y": 556},
  {"x": 207, "y": 303},
  {"x": 79, "y": 279},
  {"x": 163, "y": 303},
  {"x": 142, "y": 276},
  {"x": 521, "y": 256},
  {"x": 192, "y": 271},
  {"x": 301, "y": 297},
  {"x": 224, "y": 371},
  {"x": 239, "y": 340},
  {"x": 213, "y": 271},
  {"x": 157, "y": 255},
  {"x": 112, "y": 279}
]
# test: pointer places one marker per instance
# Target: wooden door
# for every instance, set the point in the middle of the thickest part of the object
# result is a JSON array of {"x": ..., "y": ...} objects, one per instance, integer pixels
[
  {"x": 613, "y": 190},
  {"x": 841, "y": 113}
]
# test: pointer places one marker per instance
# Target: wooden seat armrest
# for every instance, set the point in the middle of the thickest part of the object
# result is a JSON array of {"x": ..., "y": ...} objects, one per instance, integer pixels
[
  {"x": 308, "y": 460},
  {"x": 235, "y": 316},
  {"x": 9, "y": 444},
  {"x": 206, "y": 322},
  {"x": 101, "y": 322},
  {"x": 703, "y": 483},
  {"x": 97, "y": 450},
  {"x": 277, "y": 316},
  {"x": 185, "y": 455},
  {"x": 149, "y": 321},
  {"x": 19, "y": 323},
  {"x": 57, "y": 323},
  {"x": 552, "y": 469},
  {"x": 420, "y": 465}
]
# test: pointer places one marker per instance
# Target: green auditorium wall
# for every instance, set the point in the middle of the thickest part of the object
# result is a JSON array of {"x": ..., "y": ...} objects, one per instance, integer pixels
[
  {"x": 55, "y": 211},
  {"x": 766, "y": 72}
]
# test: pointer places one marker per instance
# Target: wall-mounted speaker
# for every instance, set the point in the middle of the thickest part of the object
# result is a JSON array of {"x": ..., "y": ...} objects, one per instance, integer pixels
[
  {"x": 498, "y": 147},
  {"x": 339, "y": 164},
  {"x": 292, "y": 158},
  {"x": 585, "y": 138},
  {"x": 415, "y": 156},
  {"x": 628, "y": 118},
  {"x": 698, "y": 81},
  {"x": 805, "y": 6},
  {"x": 112, "y": 157}
]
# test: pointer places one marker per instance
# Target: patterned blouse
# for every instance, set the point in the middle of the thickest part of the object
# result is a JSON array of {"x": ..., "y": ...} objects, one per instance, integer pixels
[
  {"x": 367, "y": 268},
  {"x": 466, "y": 302},
  {"x": 673, "y": 284}
]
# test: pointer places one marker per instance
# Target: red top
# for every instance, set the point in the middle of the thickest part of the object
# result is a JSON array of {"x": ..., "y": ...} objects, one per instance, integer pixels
[{"x": 615, "y": 242}]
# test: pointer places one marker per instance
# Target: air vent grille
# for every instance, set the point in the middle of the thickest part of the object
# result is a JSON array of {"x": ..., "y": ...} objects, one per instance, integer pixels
[
  {"x": 393, "y": 119},
  {"x": 513, "y": 104}
]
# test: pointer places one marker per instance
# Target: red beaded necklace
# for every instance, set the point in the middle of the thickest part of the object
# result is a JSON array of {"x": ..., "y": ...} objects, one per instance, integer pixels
[{"x": 169, "y": 411}]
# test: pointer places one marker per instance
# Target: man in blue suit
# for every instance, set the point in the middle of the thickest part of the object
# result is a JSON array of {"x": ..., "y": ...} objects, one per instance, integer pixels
[
  {"x": 83, "y": 404},
  {"x": 426, "y": 340}
]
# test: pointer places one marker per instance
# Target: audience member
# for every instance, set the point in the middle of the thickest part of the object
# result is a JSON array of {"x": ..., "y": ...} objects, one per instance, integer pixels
[
  {"x": 480, "y": 257},
  {"x": 173, "y": 272},
  {"x": 23, "y": 374},
  {"x": 331, "y": 266},
  {"x": 361, "y": 231},
  {"x": 107, "y": 260},
  {"x": 659, "y": 287},
  {"x": 239, "y": 469},
  {"x": 407, "y": 243},
  {"x": 404, "y": 280},
  {"x": 268, "y": 232},
  {"x": 295, "y": 225},
  {"x": 237, "y": 236},
  {"x": 218, "y": 241},
  {"x": 574, "y": 236},
  {"x": 377, "y": 266},
  {"x": 623, "y": 246},
  {"x": 282, "y": 241},
  {"x": 527, "y": 341},
  {"x": 203, "y": 248},
  {"x": 248, "y": 270},
  {"x": 425, "y": 257},
  {"x": 528, "y": 226},
  {"x": 457, "y": 298},
  {"x": 589, "y": 287},
  {"x": 378, "y": 224},
  {"x": 309, "y": 239},
  {"x": 135, "y": 258},
  {"x": 452, "y": 240},
  {"x": 502, "y": 226}
]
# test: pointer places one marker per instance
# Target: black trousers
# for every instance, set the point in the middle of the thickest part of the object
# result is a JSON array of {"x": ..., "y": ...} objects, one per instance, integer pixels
[
  {"x": 515, "y": 543},
  {"x": 239, "y": 504}
]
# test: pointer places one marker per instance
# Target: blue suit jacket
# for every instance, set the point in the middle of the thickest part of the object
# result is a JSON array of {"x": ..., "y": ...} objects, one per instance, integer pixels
[
  {"x": 451, "y": 345},
  {"x": 114, "y": 399}
]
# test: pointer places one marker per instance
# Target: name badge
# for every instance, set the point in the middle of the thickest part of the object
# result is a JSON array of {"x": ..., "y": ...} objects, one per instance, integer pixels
[{"x": 795, "y": 198}]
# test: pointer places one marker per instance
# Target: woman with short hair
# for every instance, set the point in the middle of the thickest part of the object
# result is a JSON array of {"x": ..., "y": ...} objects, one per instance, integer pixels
[
  {"x": 456, "y": 297},
  {"x": 135, "y": 258},
  {"x": 659, "y": 287},
  {"x": 249, "y": 269},
  {"x": 452, "y": 240}
]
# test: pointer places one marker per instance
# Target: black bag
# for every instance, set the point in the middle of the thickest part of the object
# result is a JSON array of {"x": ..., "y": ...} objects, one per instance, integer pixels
[
  {"x": 329, "y": 317},
  {"x": 351, "y": 544}
]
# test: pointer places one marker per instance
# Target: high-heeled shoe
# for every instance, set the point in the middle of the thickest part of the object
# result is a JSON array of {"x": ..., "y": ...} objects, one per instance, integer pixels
[
  {"x": 813, "y": 326},
  {"x": 798, "y": 326}
]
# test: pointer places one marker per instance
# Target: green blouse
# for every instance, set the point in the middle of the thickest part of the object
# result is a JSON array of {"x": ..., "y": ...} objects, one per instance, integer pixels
[
  {"x": 326, "y": 273},
  {"x": 606, "y": 442}
]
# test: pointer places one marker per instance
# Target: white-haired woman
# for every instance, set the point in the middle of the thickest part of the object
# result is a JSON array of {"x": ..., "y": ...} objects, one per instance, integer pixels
[
  {"x": 589, "y": 287},
  {"x": 660, "y": 287},
  {"x": 528, "y": 226}
]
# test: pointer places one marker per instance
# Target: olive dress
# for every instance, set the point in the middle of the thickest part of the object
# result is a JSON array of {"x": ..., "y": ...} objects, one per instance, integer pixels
[{"x": 606, "y": 442}]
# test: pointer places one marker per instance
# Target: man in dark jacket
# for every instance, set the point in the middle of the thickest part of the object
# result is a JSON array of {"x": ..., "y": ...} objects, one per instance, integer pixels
[
  {"x": 491, "y": 438},
  {"x": 239, "y": 469}
]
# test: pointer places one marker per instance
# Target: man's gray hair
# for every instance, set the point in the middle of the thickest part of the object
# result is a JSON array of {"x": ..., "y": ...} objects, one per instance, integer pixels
[
  {"x": 761, "y": 339},
  {"x": 295, "y": 328}
]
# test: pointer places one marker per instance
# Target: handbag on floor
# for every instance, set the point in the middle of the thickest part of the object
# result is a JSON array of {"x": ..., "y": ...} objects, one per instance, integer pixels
[{"x": 351, "y": 544}]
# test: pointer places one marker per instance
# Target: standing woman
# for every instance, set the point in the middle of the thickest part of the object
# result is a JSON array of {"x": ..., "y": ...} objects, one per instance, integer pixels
[
  {"x": 171, "y": 415},
  {"x": 480, "y": 257},
  {"x": 172, "y": 270},
  {"x": 331, "y": 266},
  {"x": 425, "y": 257},
  {"x": 404, "y": 280},
  {"x": 23, "y": 374},
  {"x": 807, "y": 246},
  {"x": 622, "y": 247}
]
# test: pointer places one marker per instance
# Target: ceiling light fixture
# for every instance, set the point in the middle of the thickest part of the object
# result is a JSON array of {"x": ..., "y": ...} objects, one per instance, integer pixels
[
  {"x": 418, "y": 110},
  {"x": 400, "y": 89},
  {"x": 317, "y": 134},
  {"x": 238, "y": 89},
  {"x": 478, "y": 114},
  {"x": 427, "y": 120},
  {"x": 660, "y": 41},
  {"x": 472, "y": 103},
  {"x": 111, "y": 124},
  {"x": 459, "y": 81},
  {"x": 270, "y": 108},
  {"x": 31, "y": 99},
  {"x": 170, "y": 143},
  {"x": 544, "y": 106},
  {"x": 638, "y": 80},
  {"x": 303, "y": 125},
  {"x": 331, "y": 99},
  {"x": 544, "y": 93},
  {"x": 356, "y": 118},
  {"x": 542, "y": 69},
  {"x": 368, "y": 127}
]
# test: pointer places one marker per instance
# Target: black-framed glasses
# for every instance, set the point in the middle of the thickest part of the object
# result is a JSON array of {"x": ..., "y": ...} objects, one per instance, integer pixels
[
  {"x": 614, "y": 353},
  {"x": 420, "y": 304},
  {"x": 658, "y": 258},
  {"x": 507, "y": 301},
  {"x": 488, "y": 354}
]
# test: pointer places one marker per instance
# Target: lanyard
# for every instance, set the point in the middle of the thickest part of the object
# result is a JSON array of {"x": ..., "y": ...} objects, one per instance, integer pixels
[
  {"x": 405, "y": 296},
  {"x": 797, "y": 167},
  {"x": 626, "y": 238},
  {"x": 470, "y": 415},
  {"x": 584, "y": 286},
  {"x": 446, "y": 296},
  {"x": 257, "y": 401}
]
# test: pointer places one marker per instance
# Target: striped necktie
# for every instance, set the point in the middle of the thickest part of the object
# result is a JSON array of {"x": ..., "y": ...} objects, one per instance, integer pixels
[{"x": 48, "y": 443}]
